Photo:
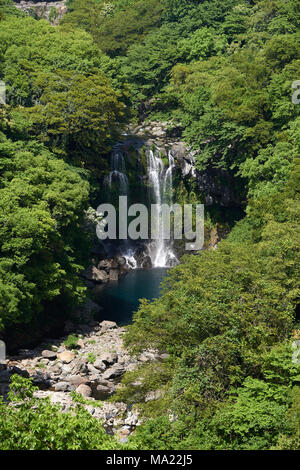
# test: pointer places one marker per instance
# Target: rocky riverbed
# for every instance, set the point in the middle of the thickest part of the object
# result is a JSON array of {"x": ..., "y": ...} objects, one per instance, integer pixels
[{"x": 93, "y": 369}]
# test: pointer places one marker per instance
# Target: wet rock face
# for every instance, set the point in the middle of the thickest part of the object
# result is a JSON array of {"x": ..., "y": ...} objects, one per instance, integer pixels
[
  {"x": 218, "y": 186},
  {"x": 106, "y": 270}
]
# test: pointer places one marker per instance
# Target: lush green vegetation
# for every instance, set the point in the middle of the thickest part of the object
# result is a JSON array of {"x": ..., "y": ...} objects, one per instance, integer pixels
[
  {"x": 61, "y": 118},
  {"x": 32, "y": 424},
  {"x": 225, "y": 318},
  {"x": 222, "y": 71}
]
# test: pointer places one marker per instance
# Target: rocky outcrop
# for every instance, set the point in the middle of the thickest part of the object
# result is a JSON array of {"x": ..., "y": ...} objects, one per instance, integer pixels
[
  {"x": 219, "y": 187},
  {"x": 106, "y": 270},
  {"x": 51, "y": 11},
  {"x": 93, "y": 370}
]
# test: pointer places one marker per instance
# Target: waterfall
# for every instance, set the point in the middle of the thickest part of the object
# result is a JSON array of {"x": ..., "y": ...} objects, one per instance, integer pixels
[
  {"x": 118, "y": 172},
  {"x": 161, "y": 180},
  {"x": 130, "y": 259},
  {"x": 160, "y": 176}
]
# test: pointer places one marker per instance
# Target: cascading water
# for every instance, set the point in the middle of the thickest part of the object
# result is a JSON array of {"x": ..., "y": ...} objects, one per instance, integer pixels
[
  {"x": 118, "y": 179},
  {"x": 161, "y": 180},
  {"x": 118, "y": 172}
]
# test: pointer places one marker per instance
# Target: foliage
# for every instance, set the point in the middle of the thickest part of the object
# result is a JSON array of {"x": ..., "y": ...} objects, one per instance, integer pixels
[
  {"x": 28, "y": 423},
  {"x": 71, "y": 342},
  {"x": 222, "y": 73},
  {"x": 42, "y": 201}
]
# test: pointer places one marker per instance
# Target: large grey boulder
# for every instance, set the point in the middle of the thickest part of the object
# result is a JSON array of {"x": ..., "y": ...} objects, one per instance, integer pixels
[
  {"x": 66, "y": 356},
  {"x": 108, "y": 325},
  {"x": 63, "y": 387},
  {"x": 96, "y": 275},
  {"x": 77, "y": 380},
  {"x": 113, "y": 372},
  {"x": 99, "y": 364},
  {"x": 49, "y": 355},
  {"x": 84, "y": 390},
  {"x": 109, "y": 358}
]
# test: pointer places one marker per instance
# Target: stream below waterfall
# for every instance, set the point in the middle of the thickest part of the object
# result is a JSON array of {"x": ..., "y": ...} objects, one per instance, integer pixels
[{"x": 121, "y": 299}]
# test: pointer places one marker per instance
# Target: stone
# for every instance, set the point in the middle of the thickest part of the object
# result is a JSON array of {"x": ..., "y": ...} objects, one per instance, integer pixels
[
  {"x": 113, "y": 275},
  {"x": 132, "y": 420},
  {"x": 55, "y": 369},
  {"x": 49, "y": 355},
  {"x": 147, "y": 263},
  {"x": 109, "y": 358},
  {"x": 104, "y": 264},
  {"x": 108, "y": 325},
  {"x": 157, "y": 132},
  {"x": 99, "y": 364},
  {"x": 113, "y": 372},
  {"x": 96, "y": 275},
  {"x": 179, "y": 151},
  {"x": 121, "y": 261},
  {"x": 84, "y": 390},
  {"x": 164, "y": 356},
  {"x": 66, "y": 356},
  {"x": 125, "y": 431},
  {"x": 63, "y": 387},
  {"x": 104, "y": 389},
  {"x": 92, "y": 369},
  {"x": 103, "y": 392},
  {"x": 77, "y": 380},
  {"x": 153, "y": 396}
]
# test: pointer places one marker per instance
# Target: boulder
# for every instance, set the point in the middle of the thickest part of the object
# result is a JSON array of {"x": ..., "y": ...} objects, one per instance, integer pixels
[
  {"x": 179, "y": 151},
  {"x": 84, "y": 390},
  {"x": 55, "y": 370},
  {"x": 157, "y": 132},
  {"x": 79, "y": 366},
  {"x": 121, "y": 261},
  {"x": 104, "y": 264},
  {"x": 77, "y": 380},
  {"x": 132, "y": 420},
  {"x": 66, "y": 356},
  {"x": 96, "y": 275},
  {"x": 87, "y": 310},
  {"x": 92, "y": 370},
  {"x": 63, "y": 387},
  {"x": 147, "y": 263},
  {"x": 108, "y": 325},
  {"x": 113, "y": 275},
  {"x": 99, "y": 364},
  {"x": 103, "y": 391},
  {"x": 113, "y": 372},
  {"x": 49, "y": 355},
  {"x": 109, "y": 358}
]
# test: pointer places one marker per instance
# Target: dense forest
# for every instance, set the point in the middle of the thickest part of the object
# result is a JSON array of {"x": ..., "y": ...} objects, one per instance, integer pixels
[{"x": 221, "y": 71}]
